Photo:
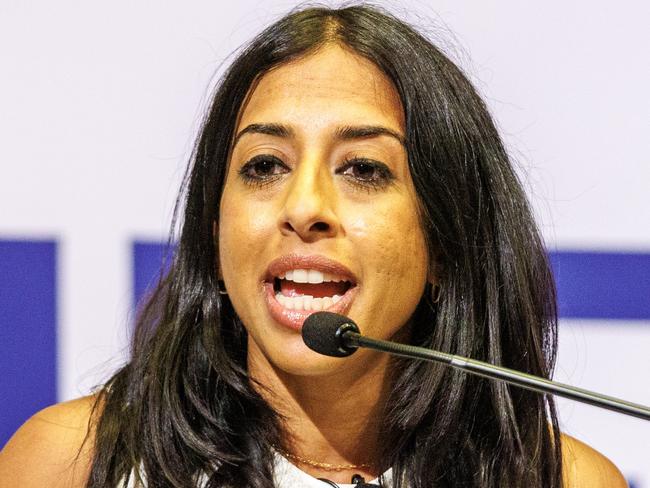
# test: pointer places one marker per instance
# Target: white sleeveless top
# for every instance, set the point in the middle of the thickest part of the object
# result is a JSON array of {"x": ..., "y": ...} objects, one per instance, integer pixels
[{"x": 285, "y": 475}]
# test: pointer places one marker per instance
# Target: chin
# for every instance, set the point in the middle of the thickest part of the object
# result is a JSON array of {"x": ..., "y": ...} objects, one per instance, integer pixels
[
  {"x": 297, "y": 360},
  {"x": 291, "y": 356},
  {"x": 313, "y": 367}
]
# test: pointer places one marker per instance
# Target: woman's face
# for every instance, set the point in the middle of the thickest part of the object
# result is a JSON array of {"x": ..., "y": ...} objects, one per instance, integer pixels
[{"x": 319, "y": 210}]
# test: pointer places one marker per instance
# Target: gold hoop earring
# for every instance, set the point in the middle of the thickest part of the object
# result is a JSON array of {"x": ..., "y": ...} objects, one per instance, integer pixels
[
  {"x": 221, "y": 286},
  {"x": 436, "y": 291}
]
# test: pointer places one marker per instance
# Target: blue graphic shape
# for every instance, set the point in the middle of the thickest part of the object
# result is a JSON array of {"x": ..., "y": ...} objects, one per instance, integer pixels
[
  {"x": 150, "y": 260},
  {"x": 28, "y": 363},
  {"x": 602, "y": 285}
]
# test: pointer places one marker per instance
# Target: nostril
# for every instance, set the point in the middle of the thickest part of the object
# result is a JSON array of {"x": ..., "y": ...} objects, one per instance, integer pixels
[
  {"x": 308, "y": 229},
  {"x": 320, "y": 227}
]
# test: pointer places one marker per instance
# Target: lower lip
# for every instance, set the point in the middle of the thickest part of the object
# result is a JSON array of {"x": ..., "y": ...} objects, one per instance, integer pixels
[{"x": 293, "y": 319}]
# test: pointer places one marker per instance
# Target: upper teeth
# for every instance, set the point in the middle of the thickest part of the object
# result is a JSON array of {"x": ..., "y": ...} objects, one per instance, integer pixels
[{"x": 309, "y": 276}]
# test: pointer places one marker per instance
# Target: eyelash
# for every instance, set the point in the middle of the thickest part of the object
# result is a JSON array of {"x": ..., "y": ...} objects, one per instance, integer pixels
[
  {"x": 260, "y": 181},
  {"x": 383, "y": 179}
]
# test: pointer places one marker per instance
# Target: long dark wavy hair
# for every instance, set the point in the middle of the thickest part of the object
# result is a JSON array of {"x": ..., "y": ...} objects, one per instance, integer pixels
[{"x": 184, "y": 403}]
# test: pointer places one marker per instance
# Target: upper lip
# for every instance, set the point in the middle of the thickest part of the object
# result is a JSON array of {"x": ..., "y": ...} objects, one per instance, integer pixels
[{"x": 316, "y": 262}]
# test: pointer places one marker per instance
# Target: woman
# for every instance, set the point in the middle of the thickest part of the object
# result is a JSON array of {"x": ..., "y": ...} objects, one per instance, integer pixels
[{"x": 345, "y": 164}]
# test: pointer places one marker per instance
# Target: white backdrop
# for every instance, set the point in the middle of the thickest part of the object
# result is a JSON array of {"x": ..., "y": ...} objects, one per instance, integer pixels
[{"x": 99, "y": 104}]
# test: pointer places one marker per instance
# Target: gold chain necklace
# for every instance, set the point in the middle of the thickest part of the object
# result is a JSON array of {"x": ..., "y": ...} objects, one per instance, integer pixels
[{"x": 316, "y": 464}]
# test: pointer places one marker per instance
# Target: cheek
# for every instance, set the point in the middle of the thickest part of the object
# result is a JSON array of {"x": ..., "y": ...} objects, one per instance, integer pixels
[
  {"x": 390, "y": 236},
  {"x": 228, "y": 216},
  {"x": 241, "y": 226}
]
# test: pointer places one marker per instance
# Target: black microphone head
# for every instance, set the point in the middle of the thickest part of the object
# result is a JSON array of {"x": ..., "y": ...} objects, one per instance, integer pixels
[{"x": 323, "y": 332}]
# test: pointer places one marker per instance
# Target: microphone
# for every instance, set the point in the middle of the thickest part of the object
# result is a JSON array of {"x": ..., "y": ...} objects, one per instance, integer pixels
[
  {"x": 334, "y": 335},
  {"x": 323, "y": 332}
]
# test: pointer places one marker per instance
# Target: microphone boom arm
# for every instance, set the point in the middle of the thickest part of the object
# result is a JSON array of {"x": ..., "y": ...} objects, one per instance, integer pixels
[{"x": 353, "y": 340}]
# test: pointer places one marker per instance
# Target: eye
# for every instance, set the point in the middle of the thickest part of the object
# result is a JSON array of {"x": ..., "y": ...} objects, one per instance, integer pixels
[
  {"x": 366, "y": 172},
  {"x": 262, "y": 169}
]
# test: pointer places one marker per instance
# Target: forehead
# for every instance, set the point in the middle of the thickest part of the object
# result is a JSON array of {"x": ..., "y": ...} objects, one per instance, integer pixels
[{"x": 330, "y": 86}]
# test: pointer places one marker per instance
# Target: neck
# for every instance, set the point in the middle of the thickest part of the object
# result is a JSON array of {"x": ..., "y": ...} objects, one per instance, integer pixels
[{"x": 331, "y": 419}]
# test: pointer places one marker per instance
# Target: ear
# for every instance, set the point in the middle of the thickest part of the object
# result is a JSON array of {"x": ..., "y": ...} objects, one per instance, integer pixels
[
  {"x": 432, "y": 277},
  {"x": 215, "y": 241},
  {"x": 433, "y": 280},
  {"x": 435, "y": 268}
]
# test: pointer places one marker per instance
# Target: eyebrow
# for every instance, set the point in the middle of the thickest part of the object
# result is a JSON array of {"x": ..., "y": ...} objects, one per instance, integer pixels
[
  {"x": 347, "y": 132},
  {"x": 364, "y": 131},
  {"x": 277, "y": 130}
]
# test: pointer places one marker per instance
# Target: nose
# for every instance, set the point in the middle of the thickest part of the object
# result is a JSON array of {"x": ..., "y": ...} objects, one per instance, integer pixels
[{"x": 309, "y": 207}]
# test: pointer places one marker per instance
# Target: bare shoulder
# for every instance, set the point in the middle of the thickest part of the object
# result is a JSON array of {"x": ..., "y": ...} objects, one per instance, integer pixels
[
  {"x": 53, "y": 448},
  {"x": 584, "y": 466}
]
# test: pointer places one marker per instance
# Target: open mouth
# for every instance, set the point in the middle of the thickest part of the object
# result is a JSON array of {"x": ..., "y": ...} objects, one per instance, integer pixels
[
  {"x": 295, "y": 286},
  {"x": 309, "y": 290}
]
